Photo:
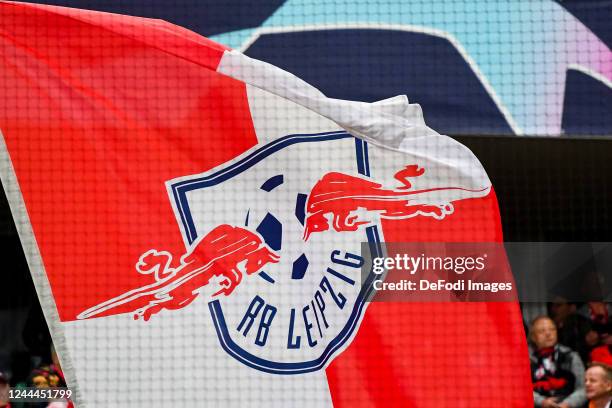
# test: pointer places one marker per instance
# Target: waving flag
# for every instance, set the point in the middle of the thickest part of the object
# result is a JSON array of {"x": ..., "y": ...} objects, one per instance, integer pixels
[{"x": 193, "y": 221}]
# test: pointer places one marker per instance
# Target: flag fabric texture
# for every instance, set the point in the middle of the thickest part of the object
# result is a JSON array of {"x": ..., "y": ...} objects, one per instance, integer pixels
[{"x": 193, "y": 222}]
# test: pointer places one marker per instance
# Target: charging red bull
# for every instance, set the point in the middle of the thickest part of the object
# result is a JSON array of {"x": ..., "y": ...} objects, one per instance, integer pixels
[
  {"x": 226, "y": 251},
  {"x": 345, "y": 202}
]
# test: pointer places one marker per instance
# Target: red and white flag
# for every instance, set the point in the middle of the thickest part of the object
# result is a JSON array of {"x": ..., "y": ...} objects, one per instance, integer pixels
[{"x": 193, "y": 222}]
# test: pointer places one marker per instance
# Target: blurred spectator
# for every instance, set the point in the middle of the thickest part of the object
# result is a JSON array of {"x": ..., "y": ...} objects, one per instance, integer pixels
[
  {"x": 47, "y": 377},
  {"x": 598, "y": 314},
  {"x": 573, "y": 329},
  {"x": 557, "y": 372},
  {"x": 39, "y": 378},
  {"x": 598, "y": 384},
  {"x": 602, "y": 354},
  {"x": 4, "y": 390}
]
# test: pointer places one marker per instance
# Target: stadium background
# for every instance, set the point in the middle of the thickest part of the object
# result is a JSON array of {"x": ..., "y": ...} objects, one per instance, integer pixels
[{"x": 496, "y": 75}]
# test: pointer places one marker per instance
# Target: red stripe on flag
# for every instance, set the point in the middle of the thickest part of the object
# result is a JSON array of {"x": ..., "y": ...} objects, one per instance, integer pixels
[
  {"x": 437, "y": 354},
  {"x": 101, "y": 121},
  {"x": 48, "y": 25}
]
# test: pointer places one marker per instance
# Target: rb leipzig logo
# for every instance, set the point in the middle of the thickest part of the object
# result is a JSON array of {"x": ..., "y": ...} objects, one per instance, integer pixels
[{"x": 278, "y": 231}]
